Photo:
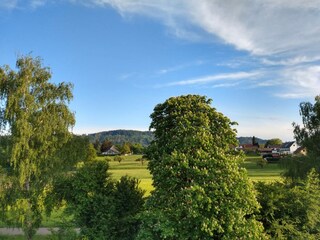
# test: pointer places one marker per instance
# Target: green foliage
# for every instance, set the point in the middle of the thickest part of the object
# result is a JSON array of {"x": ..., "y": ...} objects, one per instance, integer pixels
[
  {"x": 262, "y": 162},
  {"x": 273, "y": 142},
  {"x": 200, "y": 191},
  {"x": 35, "y": 115},
  {"x": 308, "y": 136},
  {"x": 128, "y": 201},
  {"x": 126, "y": 148},
  {"x": 77, "y": 149},
  {"x": 137, "y": 148},
  {"x": 118, "y": 159},
  {"x": 65, "y": 231},
  {"x": 103, "y": 209},
  {"x": 97, "y": 146},
  {"x": 291, "y": 211},
  {"x": 105, "y": 146}
]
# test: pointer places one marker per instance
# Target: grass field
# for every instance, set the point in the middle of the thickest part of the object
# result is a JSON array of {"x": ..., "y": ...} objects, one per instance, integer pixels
[
  {"x": 129, "y": 166},
  {"x": 132, "y": 168},
  {"x": 270, "y": 172}
]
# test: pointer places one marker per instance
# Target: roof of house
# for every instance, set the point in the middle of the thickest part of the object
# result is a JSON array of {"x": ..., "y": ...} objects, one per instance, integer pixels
[
  {"x": 300, "y": 150},
  {"x": 113, "y": 150},
  {"x": 274, "y": 146},
  {"x": 287, "y": 144}
]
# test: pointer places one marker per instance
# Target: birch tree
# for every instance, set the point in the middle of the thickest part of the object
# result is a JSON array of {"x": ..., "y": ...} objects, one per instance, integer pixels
[{"x": 34, "y": 115}]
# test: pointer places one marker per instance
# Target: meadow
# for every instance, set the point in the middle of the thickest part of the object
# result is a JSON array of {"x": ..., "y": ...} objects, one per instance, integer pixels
[
  {"x": 134, "y": 168},
  {"x": 129, "y": 166}
]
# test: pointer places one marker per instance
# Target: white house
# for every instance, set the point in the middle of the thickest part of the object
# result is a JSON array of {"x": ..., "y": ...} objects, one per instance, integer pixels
[{"x": 288, "y": 147}]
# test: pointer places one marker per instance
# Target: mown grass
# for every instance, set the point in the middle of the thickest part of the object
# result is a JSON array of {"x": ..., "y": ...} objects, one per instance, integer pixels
[
  {"x": 270, "y": 172},
  {"x": 131, "y": 167}
]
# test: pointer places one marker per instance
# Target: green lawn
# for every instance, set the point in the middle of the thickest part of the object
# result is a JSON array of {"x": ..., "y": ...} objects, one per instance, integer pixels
[
  {"x": 132, "y": 168},
  {"x": 270, "y": 172},
  {"x": 129, "y": 166}
]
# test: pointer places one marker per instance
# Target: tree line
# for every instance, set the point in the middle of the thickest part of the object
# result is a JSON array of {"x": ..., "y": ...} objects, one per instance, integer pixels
[
  {"x": 200, "y": 190},
  {"x": 125, "y": 148}
]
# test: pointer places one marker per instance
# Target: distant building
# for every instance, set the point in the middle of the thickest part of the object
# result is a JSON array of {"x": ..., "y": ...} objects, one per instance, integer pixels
[
  {"x": 288, "y": 147},
  {"x": 265, "y": 150},
  {"x": 302, "y": 151},
  {"x": 248, "y": 148},
  {"x": 111, "y": 151}
]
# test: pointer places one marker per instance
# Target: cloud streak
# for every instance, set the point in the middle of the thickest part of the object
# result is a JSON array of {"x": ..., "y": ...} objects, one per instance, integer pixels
[
  {"x": 214, "y": 78},
  {"x": 8, "y": 4}
]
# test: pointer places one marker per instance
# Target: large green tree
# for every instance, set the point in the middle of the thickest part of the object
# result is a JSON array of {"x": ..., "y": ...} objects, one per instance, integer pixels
[
  {"x": 307, "y": 135},
  {"x": 34, "y": 114},
  {"x": 200, "y": 190}
]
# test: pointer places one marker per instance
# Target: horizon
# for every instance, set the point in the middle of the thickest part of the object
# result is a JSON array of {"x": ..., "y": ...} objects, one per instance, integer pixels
[
  {"x": 124, "y": 57},
  {"x": 111, "y": 130}
]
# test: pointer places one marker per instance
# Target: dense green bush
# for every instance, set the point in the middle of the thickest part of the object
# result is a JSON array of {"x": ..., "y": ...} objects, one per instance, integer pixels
[
  {"x": 291, "y": 211},
  {"x": 102, "y": 208}
]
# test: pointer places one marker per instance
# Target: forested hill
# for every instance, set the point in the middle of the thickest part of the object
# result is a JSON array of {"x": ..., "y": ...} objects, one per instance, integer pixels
[
  {"x": 248, "y": 140},
  {"x": 144, "y": 137},
  {"x": 122, "y": 136}
]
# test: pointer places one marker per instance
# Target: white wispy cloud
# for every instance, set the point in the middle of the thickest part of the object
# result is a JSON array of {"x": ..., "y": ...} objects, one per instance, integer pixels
[
  {"x": 302, "y": 81},
  {"x": 180, "y": 67},
  {"x": 225, "y": 85},
  {"x": 37, "y": 3},
  {"x": 23, "y": 4},
  {"x": 290, "y": 61},
  {"x": 213, "y": 78},
  {"x": 8, "y": 4}
]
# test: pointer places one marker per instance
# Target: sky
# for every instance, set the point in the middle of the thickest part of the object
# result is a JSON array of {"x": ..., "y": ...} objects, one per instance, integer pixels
[{"x": 257, "y": 59}]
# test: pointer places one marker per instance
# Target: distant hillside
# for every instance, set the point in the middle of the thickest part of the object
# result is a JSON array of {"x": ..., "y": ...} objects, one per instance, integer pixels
[
  {"x": 248, "y": 140},
  {"x": 144, "y": 137},
  {"x": 122, "y": 136}
]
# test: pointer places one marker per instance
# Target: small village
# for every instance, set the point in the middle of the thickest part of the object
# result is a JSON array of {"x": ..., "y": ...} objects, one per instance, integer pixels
[{"x": 272, "y": 153}]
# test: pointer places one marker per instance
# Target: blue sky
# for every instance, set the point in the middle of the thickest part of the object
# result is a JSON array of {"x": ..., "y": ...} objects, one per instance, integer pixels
[{"x": 257, "y": 60}]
